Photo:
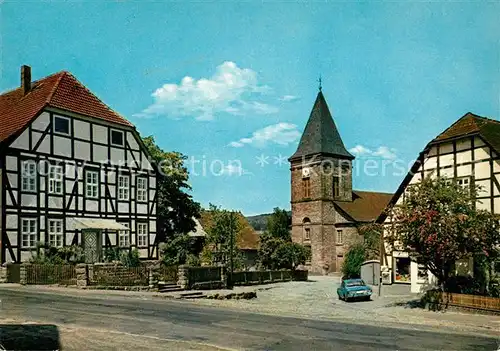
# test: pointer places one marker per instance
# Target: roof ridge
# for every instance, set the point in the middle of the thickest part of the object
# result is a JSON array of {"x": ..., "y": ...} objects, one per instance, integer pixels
[
  {"x": 69, "y": 74},
  {"x": 33, "y": 82},
  {"x": 487, "y": 119},
  {"x": 56, "y": 85}
]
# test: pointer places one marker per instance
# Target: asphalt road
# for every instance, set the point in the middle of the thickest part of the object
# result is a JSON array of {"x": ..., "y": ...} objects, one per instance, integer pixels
[{"x": 183, "y": 321}]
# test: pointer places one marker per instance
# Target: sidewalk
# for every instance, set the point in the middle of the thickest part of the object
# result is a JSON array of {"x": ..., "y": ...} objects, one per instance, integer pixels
[{"x": 99, "y": 293}]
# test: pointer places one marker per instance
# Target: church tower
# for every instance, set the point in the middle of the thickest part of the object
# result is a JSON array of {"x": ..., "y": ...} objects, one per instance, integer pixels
[{"x": 321, "y": 175}]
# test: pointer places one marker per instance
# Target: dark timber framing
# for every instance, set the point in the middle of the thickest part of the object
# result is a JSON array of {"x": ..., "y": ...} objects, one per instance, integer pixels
[{"x": 72, "y": 202}]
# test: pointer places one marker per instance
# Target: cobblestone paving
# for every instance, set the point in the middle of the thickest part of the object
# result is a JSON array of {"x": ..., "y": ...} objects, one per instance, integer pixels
[{"x": 318, "y": 299}]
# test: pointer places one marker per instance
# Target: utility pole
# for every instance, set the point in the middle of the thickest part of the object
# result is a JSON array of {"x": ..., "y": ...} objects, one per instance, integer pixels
[
  {"x": 381, "y": 255},
  {"x": 231, "y": 244}
]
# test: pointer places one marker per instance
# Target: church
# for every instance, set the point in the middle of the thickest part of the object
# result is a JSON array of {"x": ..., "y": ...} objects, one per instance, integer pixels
[{"x": 326, "y": 211}]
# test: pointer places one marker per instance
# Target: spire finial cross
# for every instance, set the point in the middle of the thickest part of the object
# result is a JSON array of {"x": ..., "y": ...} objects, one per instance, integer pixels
[{"x": 319, "y": 81}]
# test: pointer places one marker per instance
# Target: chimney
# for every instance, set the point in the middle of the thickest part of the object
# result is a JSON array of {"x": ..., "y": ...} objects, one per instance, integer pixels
[{"x": 26, "y": 78}]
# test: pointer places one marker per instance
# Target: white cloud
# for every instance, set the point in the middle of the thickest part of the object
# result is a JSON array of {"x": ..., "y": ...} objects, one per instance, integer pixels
[
  {"x": 386, "y": 153},
  {"x": 231, "y": 90},
  {"x": 360, "y": 150},
  {"x": 382, "y": 152},
  {"x": 289, "y": 98},
  {"x": 280, "y": 133}
]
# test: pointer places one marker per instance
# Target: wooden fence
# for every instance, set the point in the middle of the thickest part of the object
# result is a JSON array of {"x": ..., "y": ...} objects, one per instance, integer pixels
[
  {"x": 167, "y": 274},
  {"x": 463, "y": 300},
  {"x": 44, "y": 274}
]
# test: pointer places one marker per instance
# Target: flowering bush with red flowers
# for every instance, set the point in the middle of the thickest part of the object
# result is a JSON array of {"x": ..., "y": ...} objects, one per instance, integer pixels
[{"x": 438, "y": 224}]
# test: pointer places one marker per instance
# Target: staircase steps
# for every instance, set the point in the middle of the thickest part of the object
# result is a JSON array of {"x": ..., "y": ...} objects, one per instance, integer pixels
[
  {"x": 169, "y": 287},
  {"x": 192, "y": 295}
]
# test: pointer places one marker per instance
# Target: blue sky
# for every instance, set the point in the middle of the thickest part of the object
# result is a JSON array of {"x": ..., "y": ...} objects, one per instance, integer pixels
[{"x": 225, "y": 83}]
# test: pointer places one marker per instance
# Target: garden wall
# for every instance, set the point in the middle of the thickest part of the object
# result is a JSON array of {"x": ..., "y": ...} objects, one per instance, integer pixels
[
  {"x": 439, "y": 299},
  {"x": 216, "y": 277}
]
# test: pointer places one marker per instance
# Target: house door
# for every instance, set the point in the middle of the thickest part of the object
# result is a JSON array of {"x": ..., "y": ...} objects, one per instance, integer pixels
[
  {"x": 92, "y": 245},
  {"x": 340, "y": 262}
]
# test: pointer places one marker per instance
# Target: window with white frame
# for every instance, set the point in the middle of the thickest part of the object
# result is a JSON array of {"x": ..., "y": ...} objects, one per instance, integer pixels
[
  {"x": 92, "y": 184},
  {"x": 28, "y": 176},
  {"x": 117, "y": 137},
  {"x": 123, "y": 187},
  {"x": 142, "y": 234},
  {"x": 55, "y": 179},
  {"x": 61, "y": 125},
  {"x": 28, "y": 232},
  {"x": 124, "y": 236},
  {"x": 464, "y": 182},
  {"x": 340, "y": 236},
  {"x": 141, "y": 189},
  {"x": 56, "y": 232}
]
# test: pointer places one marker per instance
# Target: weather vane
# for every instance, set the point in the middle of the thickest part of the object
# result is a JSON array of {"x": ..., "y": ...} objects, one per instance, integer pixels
[{"x": 319, "y": 81}]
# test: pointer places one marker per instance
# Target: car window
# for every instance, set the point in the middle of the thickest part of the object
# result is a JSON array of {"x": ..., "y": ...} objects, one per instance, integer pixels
[{"x": 355, "y": 283}]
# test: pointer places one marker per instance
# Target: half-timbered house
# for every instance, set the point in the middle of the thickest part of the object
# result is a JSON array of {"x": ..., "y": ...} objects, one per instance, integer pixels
[
  {"x": 73, "y": 172},
  {"x": 468, "y": 152}
]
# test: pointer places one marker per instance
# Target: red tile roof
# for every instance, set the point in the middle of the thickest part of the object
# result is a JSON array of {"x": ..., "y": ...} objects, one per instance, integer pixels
[
  {"x": 366, "y": 206},
  {"x": 60, "y": 90}
]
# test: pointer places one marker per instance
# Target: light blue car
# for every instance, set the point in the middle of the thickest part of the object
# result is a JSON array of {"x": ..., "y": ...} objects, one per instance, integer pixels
[{"x": 354, "y": 289}]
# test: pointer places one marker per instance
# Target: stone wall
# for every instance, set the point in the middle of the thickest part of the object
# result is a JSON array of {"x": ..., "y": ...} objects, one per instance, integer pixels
[{"x": 3, "y": 275}]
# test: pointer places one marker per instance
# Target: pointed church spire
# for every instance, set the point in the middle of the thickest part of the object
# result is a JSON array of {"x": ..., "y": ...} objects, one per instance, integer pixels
[
  {"x": 321, "y": 135},
  {"x": 319, "y": 80}
]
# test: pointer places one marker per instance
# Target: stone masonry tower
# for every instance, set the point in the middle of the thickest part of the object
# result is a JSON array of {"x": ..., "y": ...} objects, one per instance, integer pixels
[{"x": 321, "y": 174}]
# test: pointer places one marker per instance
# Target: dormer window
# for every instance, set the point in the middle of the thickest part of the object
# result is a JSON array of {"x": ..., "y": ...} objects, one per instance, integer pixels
[
  {"x": 117, "y": 137},
  {"x": 61, "y": 125}
]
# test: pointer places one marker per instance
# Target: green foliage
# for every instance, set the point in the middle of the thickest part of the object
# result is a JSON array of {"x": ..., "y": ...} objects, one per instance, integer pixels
[
  {"x": 354, "y": 258},
  {"x": 176, "y": 208},
  {"x": 193, "y": 261},
  {"x": 221, "y": 240},
  {"x": 278, "y": 224},
  {"x": 112, "y": 254},
  {"x": 268, "y": 245},
  {"x": 289, "y": 255},
  {"x": 177, "y": 249},
  {"x": 129, "y": 258},
  {"x": 371, "y": 239},
  {"x": 47, "y": 254},
  {"x": 439, "y": 224},
  {"x": 276, "y": 248}
]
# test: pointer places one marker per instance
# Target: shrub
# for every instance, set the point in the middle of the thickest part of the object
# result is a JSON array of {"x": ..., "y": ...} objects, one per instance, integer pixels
[
  {"x": 354, "y": 258},
  {"x": 130, "y": 258},
  {"x": 193, "y": 261},
  {"x": 48, "y": 254}
]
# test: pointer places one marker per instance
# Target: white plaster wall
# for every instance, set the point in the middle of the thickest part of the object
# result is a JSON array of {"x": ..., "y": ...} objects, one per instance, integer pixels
[
  {"x": 82, "y": 150},
  {"x": 41, "y": 122},
  {"x": 62, "y": 146},
  {"x": 100, "y": 134},
  {"x": 81, "y": 129}
]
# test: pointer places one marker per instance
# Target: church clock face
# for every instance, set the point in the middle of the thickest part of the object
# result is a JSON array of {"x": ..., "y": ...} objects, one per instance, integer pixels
[{"x": 306, "y": 172}]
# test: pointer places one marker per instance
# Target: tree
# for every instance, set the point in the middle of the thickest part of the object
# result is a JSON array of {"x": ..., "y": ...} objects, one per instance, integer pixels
[
  {"x": 354, "y": 258},
  {"x": 439, "y": 224},
  {"x": 221, "y": 240},
  {"x": 289, "y": 255},
  {"x": 176, "y": 207},
  {"x": 278, "y": 224},
  {"x": 276, "y": 248},
  {"x": 177, "y": 249},
  {"x": 371, "y": 234}
]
